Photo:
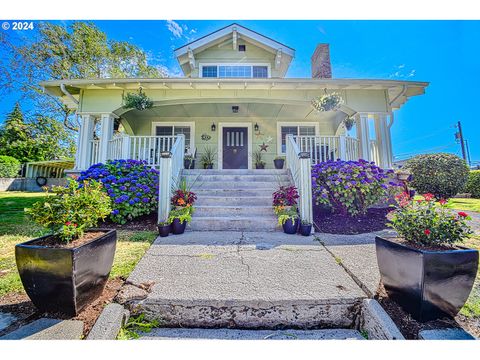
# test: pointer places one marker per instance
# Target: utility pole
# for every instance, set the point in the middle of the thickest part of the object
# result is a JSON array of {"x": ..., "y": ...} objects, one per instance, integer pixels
[{"x": 459, "y": 137}]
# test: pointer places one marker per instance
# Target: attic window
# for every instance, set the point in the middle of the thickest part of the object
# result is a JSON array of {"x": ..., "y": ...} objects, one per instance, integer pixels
[{"x": 242, "y": 47}]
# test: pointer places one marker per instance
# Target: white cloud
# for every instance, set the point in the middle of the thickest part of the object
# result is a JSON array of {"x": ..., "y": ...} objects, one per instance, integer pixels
[
  {"x": 402, "y": 71},
  {"x": 193, "y": 31},
  {"x": 175, "y": 28},
  {"x": 412, "y": 73}
]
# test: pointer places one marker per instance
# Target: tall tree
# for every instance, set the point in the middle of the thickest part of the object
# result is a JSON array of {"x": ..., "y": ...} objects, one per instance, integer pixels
[{"x": 78, "y": 50}]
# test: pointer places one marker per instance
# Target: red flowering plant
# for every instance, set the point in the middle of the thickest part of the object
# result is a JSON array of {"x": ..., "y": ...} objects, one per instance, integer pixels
[
  {"x": 182, "y": 196},
  {"x": 285, "y": 197},
  {"x": 425, "y": 222}
]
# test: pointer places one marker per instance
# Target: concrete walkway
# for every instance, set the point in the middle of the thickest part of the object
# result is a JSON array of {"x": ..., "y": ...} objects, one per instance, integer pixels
[{"x": 246, "y": 280}]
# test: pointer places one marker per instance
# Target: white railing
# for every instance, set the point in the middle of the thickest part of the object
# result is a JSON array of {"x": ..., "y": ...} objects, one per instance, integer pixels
[
  {"x": 324, "y": 148},
  {"x": 299, "y": 164},
  {"x": 115, "y": 147},
  {"x": 374, "y": 154},
  {"x": 171, "y": 165},
  {"x": 94, "y": 151}
]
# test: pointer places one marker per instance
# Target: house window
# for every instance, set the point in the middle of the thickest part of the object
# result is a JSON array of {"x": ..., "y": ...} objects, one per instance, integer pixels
[
  {"x": 294, "y": 130},
  {"x": 242, "y": 47},
  {"x": 176, "y": 130},
  {"x": 209, "y": 71},
  {"x": 234, "y": 71}
]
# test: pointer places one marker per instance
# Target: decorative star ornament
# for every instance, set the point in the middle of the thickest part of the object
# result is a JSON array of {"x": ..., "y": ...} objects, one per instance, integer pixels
[{"x": 263, "y": 147}]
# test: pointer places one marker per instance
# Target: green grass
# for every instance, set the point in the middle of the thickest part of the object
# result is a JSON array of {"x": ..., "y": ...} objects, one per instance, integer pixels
[
  {"x": 15, "y": 228},
  {"x": 464, "y": 204},
  {"x": 472, "y": 307}
]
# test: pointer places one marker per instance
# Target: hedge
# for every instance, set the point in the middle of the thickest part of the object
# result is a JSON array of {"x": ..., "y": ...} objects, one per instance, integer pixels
[
  {"x": 9, "y": 166},
  {"x": 473, "y": 184}
]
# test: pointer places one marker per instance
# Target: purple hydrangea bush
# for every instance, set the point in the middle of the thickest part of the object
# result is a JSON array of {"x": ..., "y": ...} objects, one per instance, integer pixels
[
  {"x": 132, "y": 186},
  {"x": 350, "y": 187}
]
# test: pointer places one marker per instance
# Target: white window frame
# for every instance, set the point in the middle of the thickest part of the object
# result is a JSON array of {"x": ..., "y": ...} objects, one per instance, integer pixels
[
  {"x": 201, "y": 65},
  {"x": 293, "y": 123},
  {"x": 177, "y": 123}
]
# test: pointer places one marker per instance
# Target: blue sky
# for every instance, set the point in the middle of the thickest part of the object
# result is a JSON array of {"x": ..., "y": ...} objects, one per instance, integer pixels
[{"x": 444, "y": 53}]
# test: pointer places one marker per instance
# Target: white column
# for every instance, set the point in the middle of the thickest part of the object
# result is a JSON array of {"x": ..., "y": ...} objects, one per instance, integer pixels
[
  {"x": 342, "y": 147},
  {"x": 305, "y": 188},
  {"x": 106, "y": 135},
  {"x": 85, "y": 137},
  {"x": 363, "y": 136},
  {"x": 165, "y": 185},
  {"x": 382, "y": 136}
]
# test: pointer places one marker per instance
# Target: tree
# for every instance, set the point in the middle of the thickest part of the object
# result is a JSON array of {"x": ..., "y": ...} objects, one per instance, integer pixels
[
  {"x": 43, "y": 138},
  {"x": 79, "y": 50}
]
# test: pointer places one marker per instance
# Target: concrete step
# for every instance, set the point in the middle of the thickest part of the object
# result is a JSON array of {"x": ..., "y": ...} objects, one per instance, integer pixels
[
  {"x": 250, "y": 178},
  {"x": 272, "y": 186},
  {"x": 234, "y": 201},
  {"x": 234, "y": 334},
  {"x": 233, "y": 193},
  {"x": 232, "y": 211},
  {"x": 234, "y": 172},
  {"x": 210, "y": 223}
]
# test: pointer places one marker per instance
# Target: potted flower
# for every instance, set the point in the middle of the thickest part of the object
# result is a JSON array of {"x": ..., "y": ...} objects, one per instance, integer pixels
[
  {"x": 164, "y": 228},
  {"x": 208, "y": 158},
  {"x": 259, "y": 163},
  {"x": 424, "y": 269},
  {"x": 188, "y": 161},
  {"x": 289, "y": 220},
  {"x": 285, "y": 198},
  {"x": 279, "y": 161},
  {"x": 305, "y": 228},
  {"x": 327, "y": 102},
  {"x": 179, "y": 218},
  {"x": 67, "y": 269},
  {"x": 139, "y": 101}
]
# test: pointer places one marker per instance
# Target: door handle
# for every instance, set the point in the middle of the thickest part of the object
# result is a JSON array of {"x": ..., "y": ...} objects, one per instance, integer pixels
[{"x": 234, "y": 151}]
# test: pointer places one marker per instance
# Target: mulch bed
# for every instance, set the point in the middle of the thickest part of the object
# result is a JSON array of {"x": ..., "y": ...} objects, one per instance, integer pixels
[
  {"x": 410, "y": 327},
  {"x": 374, "y": 220},
  {"x": 20, "y": 305},
  {"x": 56, "y": 242},
  {"x": 142, "y": 223}
]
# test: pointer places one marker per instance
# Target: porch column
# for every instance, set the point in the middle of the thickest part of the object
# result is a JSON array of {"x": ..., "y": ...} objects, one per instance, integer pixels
[
  {"x": 363, "y": 136},
  {"x": 106, "y": 135},
  {"x": 165, "y": 185},
  {"x": 84, "y": 144},
  {"x": 382, "y": 136}
]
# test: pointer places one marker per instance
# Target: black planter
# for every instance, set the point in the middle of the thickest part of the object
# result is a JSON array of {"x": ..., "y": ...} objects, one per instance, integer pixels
[
  {"x": 278, "y": 163},
  {"x": 66, "y": 280},
  {"x": 164, "y": 230},
  {"x": 189, "y": 164},
  {"x": 178, "y": 227},
  {"x": 259, "y": 166},
  {"x": 210, "y": 166},
  {"x": 427, "y": 284},
  {"x": 291, "y": 227},
  {"x": 305, "y": 230}
]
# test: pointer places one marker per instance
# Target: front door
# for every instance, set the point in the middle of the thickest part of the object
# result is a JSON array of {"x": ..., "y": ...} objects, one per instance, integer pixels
[{"x": 235, "y": 148}]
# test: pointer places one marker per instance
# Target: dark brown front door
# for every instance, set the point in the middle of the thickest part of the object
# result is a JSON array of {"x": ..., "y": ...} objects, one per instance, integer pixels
[{"x": 235, "y": 148}]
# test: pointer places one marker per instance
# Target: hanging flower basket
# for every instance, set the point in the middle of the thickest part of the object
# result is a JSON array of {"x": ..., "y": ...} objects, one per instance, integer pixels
[
  {"x": 327, "y": 102},
  {"x": 138, "y": 101},
  {"x": 349, "y": 121}
]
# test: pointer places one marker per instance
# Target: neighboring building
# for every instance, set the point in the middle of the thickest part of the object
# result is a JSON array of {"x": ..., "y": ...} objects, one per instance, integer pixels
[{"x": 236, "y": 100}]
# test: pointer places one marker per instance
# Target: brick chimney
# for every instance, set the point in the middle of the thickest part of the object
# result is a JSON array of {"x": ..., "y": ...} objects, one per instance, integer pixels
[{"x": 321, "y": 67}]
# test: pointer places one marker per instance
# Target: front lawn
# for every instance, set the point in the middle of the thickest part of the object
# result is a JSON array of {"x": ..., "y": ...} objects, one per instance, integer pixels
[
  {"x": 466, "y": 204},
  {"x": 16, "y": 228}
]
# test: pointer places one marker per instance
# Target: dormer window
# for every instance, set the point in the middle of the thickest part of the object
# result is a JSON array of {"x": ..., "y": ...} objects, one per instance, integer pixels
[
  {"x": 235, "y": 71},
  {"x": 242, "y": 47}
]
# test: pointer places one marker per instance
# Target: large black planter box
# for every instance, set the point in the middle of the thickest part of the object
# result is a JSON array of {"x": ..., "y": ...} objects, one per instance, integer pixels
[
  {"x": 427, "y": 284},
  {"x": 66, "y": 280}
]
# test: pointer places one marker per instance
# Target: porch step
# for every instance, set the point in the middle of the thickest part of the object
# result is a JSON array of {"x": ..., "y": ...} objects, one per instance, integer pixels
[
  {"x": 233, "y": 211},
  {"x": 234, "y": 201},
  {"x": 199, "y": 178},
  {"x": 233, "y": 193},
  {"x": 234, "y": 172},
  {"x": 233, "y": 223},
  {"x": 239, "y": 184}
]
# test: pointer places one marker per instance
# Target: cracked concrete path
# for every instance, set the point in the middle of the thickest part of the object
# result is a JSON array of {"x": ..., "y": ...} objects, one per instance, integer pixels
[{"x": 230, "y": 266}]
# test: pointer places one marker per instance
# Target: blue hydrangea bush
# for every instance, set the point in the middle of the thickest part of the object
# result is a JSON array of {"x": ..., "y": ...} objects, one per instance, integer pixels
[
  {"x": 132, "y": 186},
  {"x": 350, "y": 187}
]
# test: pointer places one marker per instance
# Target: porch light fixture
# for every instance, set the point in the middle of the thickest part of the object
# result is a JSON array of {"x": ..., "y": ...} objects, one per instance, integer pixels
[
  {"x": 235, "y": 109},
  {"x": 256, "y": 127},
  {"x": 213, "y": 127}
]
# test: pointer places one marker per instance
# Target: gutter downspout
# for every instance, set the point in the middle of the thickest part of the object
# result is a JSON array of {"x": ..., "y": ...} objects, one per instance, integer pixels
[{"x": 70, "y": 96}]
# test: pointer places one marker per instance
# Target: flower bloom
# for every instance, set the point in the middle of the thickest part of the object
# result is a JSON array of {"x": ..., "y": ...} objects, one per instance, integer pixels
[
  {"x": 442, "y": 201},
  {"x": 68, "y": 223},
  {"x": 427, "y": 232},
  {"x": 462, "y": 214},
  {"x": 428, "y": 196}
]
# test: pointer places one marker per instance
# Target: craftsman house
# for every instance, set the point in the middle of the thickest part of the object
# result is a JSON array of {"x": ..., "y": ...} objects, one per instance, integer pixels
[{"x": 235, "y": 101}]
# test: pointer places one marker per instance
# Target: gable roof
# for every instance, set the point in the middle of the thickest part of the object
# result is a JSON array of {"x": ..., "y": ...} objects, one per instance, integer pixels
[{"x": 242, "y": 31}]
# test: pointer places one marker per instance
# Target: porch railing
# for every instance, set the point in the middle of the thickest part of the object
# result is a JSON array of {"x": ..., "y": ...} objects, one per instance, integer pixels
[
  {"x": 94, "y": 151},
  {"x": 299, "y": 164},
  {"x": 324, "y": 148},
  {"x": 171, "y": 165},
  {"x": 374, "y": 152}
]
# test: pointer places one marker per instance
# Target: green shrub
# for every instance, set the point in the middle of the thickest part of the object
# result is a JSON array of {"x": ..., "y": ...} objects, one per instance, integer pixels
[
  {"x": 72, "y": 209},
  {"x": 443, "y": 175},
  {"x": 9, "y": 166},
  {"x": 473, "y": 184}
]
